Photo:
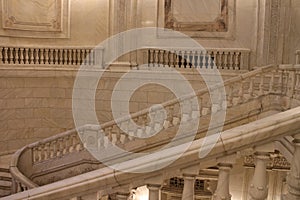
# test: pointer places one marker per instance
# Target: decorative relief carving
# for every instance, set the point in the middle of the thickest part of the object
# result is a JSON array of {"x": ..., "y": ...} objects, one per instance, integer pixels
[
  {"x": 199, "y": 19},
  {"x": 276, "y": 162},
  {"x": 35, "y": 18},
  {"x": 45, "y": 15},
  {"x": 219, "y": 24}
]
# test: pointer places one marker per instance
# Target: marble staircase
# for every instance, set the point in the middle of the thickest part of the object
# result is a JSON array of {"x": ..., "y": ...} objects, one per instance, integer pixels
[{"x": 274, "y": 82}]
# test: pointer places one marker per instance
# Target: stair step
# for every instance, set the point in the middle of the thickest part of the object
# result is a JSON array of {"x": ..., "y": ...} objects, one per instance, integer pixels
[
  {"x": 7, "y": 188},
  {"x": 5, "y": 170},
  {"x": 4, "y": 178}
]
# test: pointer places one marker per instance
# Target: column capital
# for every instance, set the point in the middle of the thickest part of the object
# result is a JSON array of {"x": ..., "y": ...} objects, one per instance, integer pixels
[
  {"x": 153, "y": 186},
  {"x": 225, "y": 166}
]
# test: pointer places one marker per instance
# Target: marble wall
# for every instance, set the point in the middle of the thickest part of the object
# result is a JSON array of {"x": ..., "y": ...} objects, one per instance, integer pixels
[{"x": 54, "y": 22}]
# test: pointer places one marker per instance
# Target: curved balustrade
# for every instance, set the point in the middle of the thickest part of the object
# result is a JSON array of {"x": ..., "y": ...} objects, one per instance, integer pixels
[
  {"x": 228, "y": 59},
  {"x": 18, "y": 55},
  {"x": 256, "y": 133},
  {"x": 260, "y": 82}
]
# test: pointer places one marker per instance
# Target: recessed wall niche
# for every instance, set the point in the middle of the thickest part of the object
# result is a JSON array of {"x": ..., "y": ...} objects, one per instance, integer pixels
[
  {"x": 198, "y": 18},
  {"x": 35, "y": 18}
]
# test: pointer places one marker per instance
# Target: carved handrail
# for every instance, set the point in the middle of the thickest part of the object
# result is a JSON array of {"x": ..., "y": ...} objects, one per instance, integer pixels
[
  {"x": 228, "y": 59},
  {"x": 266, "y": 80},
  {"x": 44, "y": 56}
]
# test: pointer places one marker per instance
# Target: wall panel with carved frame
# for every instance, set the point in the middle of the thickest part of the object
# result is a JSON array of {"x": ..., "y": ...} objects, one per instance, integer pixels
[
  {"x": 35, "y": 18},
  {"x": 200, "y": 18}
]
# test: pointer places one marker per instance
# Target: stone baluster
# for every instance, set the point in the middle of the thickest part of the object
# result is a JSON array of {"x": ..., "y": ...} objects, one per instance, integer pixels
[
  {"x": 150, "y": 56},
  {"x": 175, "y": 58},
  {"x": 65, "y": 61},
  {"x": 56, "y": 58},
  {"x": 37, "y": 56},
  {"x": 46, "y": 56},
  {"x": 51, "y": 56},
  {"x": 60, "y": 58},
  {"x": 74, "y": 57},
  {"x": 215, "y": 56},
  {"x": 231, "y": 60},
  {"x": 42, "y": 52},
  {"x": 78, "y": 57},
  {"x": 69, "y": 56},
  {"x": 92, "y": 57},
  {"x": 237, "y": 63},
  {"x": 293, "y": 178},
  {"x": 222, "y": 191},
  {"x": 226, "y": 60},
  {"x": 22, "y": 56},
  {"x": 11, "y": 55},
  {"x": 82, "y": 56},
  {"x": 161, "y": 58},
  {"x": 203, "y": 58},
  {"x": 26, "y": 56},
  {"x": 31, "y": 58},
  {"x": 193, "y": 60},
  {"x": 17, "y": 61},
  {"x": 183, "y": 59},
  {"x": 259, "y": 186},
  {"x": 188, "y": 59},
  {"x": 5, "y": 55},
  {"x": 189, "y": 176}
]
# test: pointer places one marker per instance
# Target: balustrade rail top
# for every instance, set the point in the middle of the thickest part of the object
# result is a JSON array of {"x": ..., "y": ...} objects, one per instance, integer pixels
[
  {"x": 197, "y": 48},
  {"x": 50, "y": 47},
  {"x": 254, "y": 133}
]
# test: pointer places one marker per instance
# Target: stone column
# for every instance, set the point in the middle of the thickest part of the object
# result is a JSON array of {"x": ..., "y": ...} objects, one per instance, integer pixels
[
  {"x": 189, "y": 187},
  {"x": 153, "y": 192},
  {"x": 222, "y": 191},
  {"x": 259, "y": 185},
  {"x": 293, "y": 178}
]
